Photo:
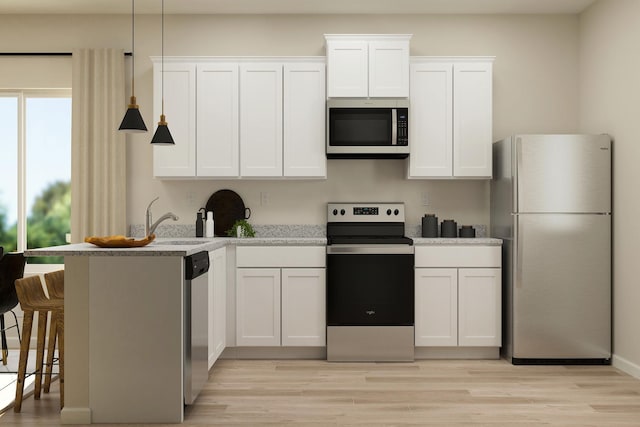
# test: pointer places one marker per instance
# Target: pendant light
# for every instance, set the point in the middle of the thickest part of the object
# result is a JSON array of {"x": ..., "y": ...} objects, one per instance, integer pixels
[
  {"x": 132, "y": 121},
  {"x": 162, "y": 135}
]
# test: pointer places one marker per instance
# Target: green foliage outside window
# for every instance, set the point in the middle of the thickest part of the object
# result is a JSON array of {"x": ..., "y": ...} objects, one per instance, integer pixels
[{"x": 46, "y": 226}]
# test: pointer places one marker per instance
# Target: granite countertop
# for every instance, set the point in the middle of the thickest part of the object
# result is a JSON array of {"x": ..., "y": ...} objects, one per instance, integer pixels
[
  {"x": 175, "y": 246},
  {"x": 171, "y": 241}
]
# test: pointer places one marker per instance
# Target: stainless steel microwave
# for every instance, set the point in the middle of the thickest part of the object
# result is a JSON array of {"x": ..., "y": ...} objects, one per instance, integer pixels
[{"x": 367, "y": 128}]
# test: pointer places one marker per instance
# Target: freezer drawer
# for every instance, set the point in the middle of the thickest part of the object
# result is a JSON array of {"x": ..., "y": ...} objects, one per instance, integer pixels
[{"x": 562, "y": 286}]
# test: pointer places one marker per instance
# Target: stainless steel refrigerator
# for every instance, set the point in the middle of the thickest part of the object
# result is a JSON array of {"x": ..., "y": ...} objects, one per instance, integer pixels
[{"x": 551, "y": 205}]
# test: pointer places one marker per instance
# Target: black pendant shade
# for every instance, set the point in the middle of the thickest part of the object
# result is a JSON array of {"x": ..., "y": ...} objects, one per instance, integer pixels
[
  {"x": 162, "y": 135},
  {"x": 132, "y": 121}
]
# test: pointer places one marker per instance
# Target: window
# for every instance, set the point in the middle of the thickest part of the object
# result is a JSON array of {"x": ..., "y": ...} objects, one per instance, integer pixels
[{"x": 35, "y": 185}]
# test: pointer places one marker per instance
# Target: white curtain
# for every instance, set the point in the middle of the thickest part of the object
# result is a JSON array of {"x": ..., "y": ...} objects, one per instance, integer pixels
[{"x": 98, "y": 150}]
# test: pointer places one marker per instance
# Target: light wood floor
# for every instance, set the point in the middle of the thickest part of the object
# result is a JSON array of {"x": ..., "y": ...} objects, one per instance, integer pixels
[{"x": 481, "y": 393}]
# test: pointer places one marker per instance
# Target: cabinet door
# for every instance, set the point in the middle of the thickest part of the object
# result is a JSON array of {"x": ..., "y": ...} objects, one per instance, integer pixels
[
  {"x": 217, "y": 318},
  {"x": 479, "y": 307},
  {"x": 261, "y": 120},
  {"x": 217, "y": 124},
  {"x": 304, "y": 120},
  {"x": 177, "y": 160},
  {"x": 436, "y": 321},
  {"x": 258, "y": 306},
  {"x": 431, "y": 120},
  {"x": 303, "y": 307},
  {"x": 347, "y": 74},
  {"x": 389, "y": 69},
  {"x": 472, "y": 119}
]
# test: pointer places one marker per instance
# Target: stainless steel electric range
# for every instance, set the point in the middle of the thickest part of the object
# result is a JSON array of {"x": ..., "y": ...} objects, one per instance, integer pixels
[{"x": 370, "y": 283}]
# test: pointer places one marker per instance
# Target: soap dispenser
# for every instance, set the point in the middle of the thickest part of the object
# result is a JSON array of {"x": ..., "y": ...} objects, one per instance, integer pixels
[
  {"x": 210, "y": 226},
  {"x": 200, "y": 223}
]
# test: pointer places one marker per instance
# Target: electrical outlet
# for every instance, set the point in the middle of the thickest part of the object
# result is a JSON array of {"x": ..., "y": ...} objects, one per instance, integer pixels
[
  {"x": 190, "y": 199},
  {"x": 425, "y": 198},
  {"x": 264, "y": 198}
]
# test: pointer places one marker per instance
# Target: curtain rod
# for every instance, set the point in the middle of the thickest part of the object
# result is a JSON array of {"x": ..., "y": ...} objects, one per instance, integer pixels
[{"x": 43, "y": 54}]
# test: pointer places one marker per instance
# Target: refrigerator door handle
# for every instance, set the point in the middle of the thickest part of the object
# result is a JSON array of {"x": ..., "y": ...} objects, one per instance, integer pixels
[
  {"x": 517, "y": 262},
  {"x": 516, "y": 187}
]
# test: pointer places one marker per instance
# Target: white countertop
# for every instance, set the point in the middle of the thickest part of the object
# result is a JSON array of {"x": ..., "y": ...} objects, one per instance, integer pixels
[{"x": 191, "y": 245}]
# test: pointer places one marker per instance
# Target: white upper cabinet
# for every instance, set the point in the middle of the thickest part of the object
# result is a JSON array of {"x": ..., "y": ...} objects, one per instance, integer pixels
[
  {"x": 450, "y": 118},
  {"x": 242, "y": 117},
  {"x": 431, "y": 139},
  {"x": 472, "y": 124},
  {"x": 348, "y": 73},
  {"x": 304, "y": 120},
  {"x": 178, "y": 160},
  {"x": 261, "y": 119},
  {"x": 367, "y": 65},
  {"x": 389, "y": 68},
  {"x": 217, "y": 125}
]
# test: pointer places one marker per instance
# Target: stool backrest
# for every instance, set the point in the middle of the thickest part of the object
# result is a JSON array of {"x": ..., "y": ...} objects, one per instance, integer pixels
[
  {"x": 30, "y": 292},
  {"x": 55, "y": 284},
  {"x": 11, "y": 268}
]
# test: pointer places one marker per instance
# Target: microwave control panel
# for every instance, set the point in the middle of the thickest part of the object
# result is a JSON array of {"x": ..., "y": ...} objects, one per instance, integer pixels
[{"x": 403, "y": 126}]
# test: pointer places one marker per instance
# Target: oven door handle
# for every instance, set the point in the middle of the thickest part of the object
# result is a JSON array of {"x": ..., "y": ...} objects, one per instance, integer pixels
[{"x": 369, "y": 249}]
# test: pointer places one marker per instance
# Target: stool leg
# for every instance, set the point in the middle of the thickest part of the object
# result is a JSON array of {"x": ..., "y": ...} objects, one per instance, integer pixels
[
  {"x": 27, "y": 324},
  {"x": 60, "y": 321},
  {"x": 5, "y": 351},
  {"x": 42, "y": 331},
  {"x": 53, "y": 333}
]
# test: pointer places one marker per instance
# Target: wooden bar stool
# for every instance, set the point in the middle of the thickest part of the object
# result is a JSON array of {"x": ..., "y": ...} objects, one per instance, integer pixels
[
  {"x": 32, "y": 298},
  {"x": 55, "y": 288}
]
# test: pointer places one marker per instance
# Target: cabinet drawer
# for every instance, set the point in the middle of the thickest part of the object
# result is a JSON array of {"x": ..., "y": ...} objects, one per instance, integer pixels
[
  {"x": 458, "y": 256},
  {"x": 280, "y": 256}
]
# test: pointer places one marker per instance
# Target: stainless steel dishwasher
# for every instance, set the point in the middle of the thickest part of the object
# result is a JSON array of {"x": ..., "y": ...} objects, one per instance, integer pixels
[{"x": 196, "y": 329}]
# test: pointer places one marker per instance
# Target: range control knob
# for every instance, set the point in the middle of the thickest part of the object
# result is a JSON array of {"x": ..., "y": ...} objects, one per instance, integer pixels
[
  {"x": 342, "y": 212},
  {"x": 396, "y": 212},
  {"x": 335, "y": 211},
  {"x": 388, "y": 211}
]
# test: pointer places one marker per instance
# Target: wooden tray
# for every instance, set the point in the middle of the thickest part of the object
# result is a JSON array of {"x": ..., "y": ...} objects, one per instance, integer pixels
[
  {"x": 119, "y": 241},
  {"x": 227, "y": 207}
]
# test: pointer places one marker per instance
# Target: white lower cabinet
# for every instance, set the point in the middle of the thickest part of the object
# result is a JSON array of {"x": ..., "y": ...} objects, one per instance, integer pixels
[
  {"x": 458, "y": 306},
  {"x": 280, "y": 296},
  {"x": 258, "y": 306},
  {"x": 479, "y": 307},
  {"x": 303, "y": 307},
  {"x": 217, "y": 304}
]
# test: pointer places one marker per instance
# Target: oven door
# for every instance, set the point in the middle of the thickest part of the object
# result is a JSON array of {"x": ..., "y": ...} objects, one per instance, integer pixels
[{"x": 370, "y": 285}]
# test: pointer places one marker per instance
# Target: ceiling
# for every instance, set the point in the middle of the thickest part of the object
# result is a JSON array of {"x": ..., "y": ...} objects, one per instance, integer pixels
[{"x": 295, "y": 6}]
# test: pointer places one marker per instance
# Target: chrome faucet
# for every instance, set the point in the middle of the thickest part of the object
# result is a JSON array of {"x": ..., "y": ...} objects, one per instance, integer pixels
[{"x": 150, "y": 228}]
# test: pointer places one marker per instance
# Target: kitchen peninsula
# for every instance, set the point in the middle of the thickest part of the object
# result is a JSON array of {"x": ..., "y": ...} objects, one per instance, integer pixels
[
  {"x": 124, "y": 328},
  {"x": 124, "y": 323}
]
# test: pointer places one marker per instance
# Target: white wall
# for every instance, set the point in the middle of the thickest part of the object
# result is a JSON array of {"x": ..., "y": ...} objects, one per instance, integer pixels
[
  {"x": 610, "y": 95},
  {"x": 535, "y": 90}
]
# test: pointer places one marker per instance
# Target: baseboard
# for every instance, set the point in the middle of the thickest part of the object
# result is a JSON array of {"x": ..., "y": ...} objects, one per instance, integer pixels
[
  {"x": 75, "y": 415},
  {"x": 626, "y": 366},
  {"x": 457, "y": 353},
  {"x": 274, "y": 353}
]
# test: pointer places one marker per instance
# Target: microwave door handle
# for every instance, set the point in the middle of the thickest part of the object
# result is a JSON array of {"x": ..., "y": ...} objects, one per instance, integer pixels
[{"x": 394, "y": 126}]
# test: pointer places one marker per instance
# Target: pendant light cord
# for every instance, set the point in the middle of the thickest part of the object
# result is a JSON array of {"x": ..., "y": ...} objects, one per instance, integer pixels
[
  {"x": 133, "y": 45},
  {"x": 162, "y": 53}
]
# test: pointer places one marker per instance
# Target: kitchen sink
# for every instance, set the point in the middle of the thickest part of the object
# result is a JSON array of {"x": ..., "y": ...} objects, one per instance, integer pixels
[{"x": 179, "y": 242}]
